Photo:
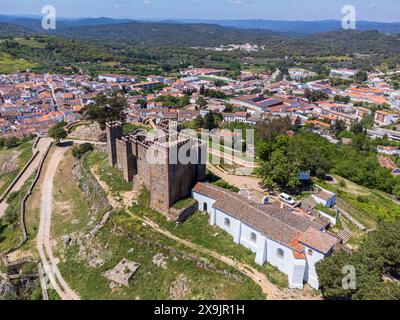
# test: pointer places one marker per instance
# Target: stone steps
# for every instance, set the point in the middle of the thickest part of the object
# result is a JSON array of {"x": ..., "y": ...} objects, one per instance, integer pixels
[{"x": 345, "y": 236}]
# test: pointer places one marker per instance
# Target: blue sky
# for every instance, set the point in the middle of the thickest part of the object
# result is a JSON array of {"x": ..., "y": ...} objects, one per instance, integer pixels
[{"x": 373, "y": 10}]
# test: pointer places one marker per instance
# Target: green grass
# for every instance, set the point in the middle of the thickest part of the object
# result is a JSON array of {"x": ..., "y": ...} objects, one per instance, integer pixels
[
  {"x": 118, "y": 240},
  {"x": 326, "y": 210},
  {"x": 184, "y": 203},
  {"x": 10, "y": 232},
  {"x": 366, "y": 205},
  {"x": 9, "y": 64},
  {"x": 68, "y": 201},
  {"x": 25, "y": 153},
  {"x": 113, "y": 177},
  {"x": 130, "y": 127},
  {"x": 197, "y": 229},
  {"x": 30, "y": 42},
  {"x": 150, "y": 281}
]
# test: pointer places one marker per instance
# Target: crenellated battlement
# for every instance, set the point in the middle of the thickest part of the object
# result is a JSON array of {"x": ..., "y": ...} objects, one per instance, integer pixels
[{"x": 168, "y": 179}]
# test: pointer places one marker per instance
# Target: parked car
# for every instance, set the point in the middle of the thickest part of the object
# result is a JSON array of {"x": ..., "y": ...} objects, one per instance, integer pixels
[{"x": 286, "y": 198}]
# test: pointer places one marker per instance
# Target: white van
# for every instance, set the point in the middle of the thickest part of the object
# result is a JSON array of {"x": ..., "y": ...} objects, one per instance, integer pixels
[{"x": 286, "y": 198}]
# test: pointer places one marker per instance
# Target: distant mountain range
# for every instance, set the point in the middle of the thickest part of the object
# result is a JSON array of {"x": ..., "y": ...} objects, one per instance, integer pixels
[
  {"x": 296, "y": 41},
  {"x": 291, "y": 28},
  {"x": 300, "y": 27}
]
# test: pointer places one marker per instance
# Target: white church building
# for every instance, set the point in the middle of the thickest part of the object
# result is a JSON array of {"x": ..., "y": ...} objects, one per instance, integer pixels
[{"x": 292, "y": 243}]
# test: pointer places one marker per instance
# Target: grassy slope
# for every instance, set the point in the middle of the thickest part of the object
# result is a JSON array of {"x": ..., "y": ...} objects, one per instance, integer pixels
[
  {"x": 110, "y": 175},
  {"x": 198, "y": 230},
  {"x": 9, "y": 64},
  {"x": 25, "y": 150},
  {"x": 195, "y": 229},
  {"x": 11, "y": 235},
  {"x": 115, "y": 242},
  {"x": 366, "y": 205}
]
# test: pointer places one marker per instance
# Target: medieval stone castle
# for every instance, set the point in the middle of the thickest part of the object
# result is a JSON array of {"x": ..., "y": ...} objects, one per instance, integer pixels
[{"x": 168, "y": 163}]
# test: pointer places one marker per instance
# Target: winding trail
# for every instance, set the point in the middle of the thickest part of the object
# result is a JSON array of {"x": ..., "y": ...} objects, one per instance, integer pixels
[
  {"x": 43, "y": 237},
  {"x": 42, "y": 146},
  {"x": 270, "y": 290}
]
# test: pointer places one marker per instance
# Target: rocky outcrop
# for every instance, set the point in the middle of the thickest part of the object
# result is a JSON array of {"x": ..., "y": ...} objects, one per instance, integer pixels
[
  {"x": 7, "y": 290},
  {"x": 91, "y": 189},
  {"x": 200, "y": 263}
]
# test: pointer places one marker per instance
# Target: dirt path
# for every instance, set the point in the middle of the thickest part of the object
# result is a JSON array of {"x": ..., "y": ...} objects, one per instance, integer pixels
[
  {"x": 43, "y": 237},
  {"x": 42, "y": 146},
  {"x": 267, "y": 287},
  {"x": 240, "y": 182}
]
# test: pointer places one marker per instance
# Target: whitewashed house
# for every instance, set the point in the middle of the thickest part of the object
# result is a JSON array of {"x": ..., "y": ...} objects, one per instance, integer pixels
[
  {"x": 389, "y": 150},
  {"x": 292, "y": 243},
  {"x": 325, "y": 197}
]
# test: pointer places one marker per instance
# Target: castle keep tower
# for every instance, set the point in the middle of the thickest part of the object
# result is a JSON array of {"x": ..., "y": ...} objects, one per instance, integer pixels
[
  {"x": 155, "y": 162},
  {"x": 114, "y": 132}
]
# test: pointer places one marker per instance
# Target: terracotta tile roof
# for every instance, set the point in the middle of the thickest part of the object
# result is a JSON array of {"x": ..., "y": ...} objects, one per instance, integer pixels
[
  {"x": 315, "y": 239},
  {"x": 387, "y": 163},
  {"x": 275, "y": 223},
  {"x": 319, "y": 123}
]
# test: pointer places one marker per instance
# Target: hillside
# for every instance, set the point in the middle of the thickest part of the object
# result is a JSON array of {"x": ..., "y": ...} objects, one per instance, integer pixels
[
  {"x": 300, "y": 27},
  {"x": 342, "y": 42},
  {"x": 8, "y": 29},
  {"x": 168, "y": 33}
]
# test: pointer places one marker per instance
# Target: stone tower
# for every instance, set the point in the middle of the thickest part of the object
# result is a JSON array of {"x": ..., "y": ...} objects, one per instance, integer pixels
[
  {"x": 167, "y": 179},
  {"x": 114, "y": 132}
]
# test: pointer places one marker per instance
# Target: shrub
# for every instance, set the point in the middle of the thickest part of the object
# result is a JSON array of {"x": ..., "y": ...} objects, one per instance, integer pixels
[
  {"x": 79, "y": 151},
  {"x": 11, "y": 142},
  {"x": 11, "y": 197}
]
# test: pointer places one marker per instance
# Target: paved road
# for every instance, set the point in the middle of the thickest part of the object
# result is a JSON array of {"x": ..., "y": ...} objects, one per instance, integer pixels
[
  {"x": 43, "y": 238},
  {"x": 42, "y": 146}
]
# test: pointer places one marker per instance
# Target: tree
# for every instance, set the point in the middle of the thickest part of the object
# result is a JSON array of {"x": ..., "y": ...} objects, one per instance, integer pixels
[
  {"x": 339, "y": 127},
  {"x": 184, "y": 101},
  {"x": 199, "y": 122},
  {"x": 142, "y": 102},
  {"x": 58, "y": 132},
  {"x": 377, "y": 257},
  {"x": 228, "y": 107},
  {"x": 358, "y": 128},
  {"x": 202, "y": 90},
  {"x": 297, "y": 125},
  {"x": 106, "y": 108},
  {"x": 219, "y": 83},
  {"x": 361, "y": 76},
  {"x": 11, "y": 142},
  {"x": 271, "y": 129},
  {"x": 396, "y": 190},
  {"x": 79, "y": 151},
  {"x": 201, "y": 102},
  {"x": 285, "y": 157},
  {"x": 280, "y": 172},
  {"x": 209, "y": 121},
  {"x": 339, "y": 98},
  {"x": 11, "y": 197},
  {"x": 315, "y": 95}
]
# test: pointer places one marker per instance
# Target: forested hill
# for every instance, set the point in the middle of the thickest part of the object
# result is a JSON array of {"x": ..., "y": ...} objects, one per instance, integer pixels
[
  {"x": 170, "y": 33},
  {"x": 341, "y": 43},
  {"x": 299, "y": 27},
  {"x": 12, "y": 30}
]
